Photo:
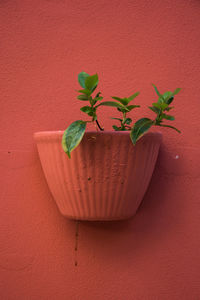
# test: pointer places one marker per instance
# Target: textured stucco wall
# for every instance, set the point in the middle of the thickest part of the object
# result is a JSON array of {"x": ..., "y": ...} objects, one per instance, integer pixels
[{"x": 44, "y": 45}]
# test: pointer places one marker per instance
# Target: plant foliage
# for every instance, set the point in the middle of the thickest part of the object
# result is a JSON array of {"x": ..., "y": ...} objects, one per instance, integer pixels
[{"x": 89, "y": 83}]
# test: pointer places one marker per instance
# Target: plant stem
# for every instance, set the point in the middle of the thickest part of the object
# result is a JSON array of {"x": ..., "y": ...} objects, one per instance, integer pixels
[
  {"x": 163, "y": 125},
  {"x": 123, "y": 121},
  {"x": 99, "y": 126}
]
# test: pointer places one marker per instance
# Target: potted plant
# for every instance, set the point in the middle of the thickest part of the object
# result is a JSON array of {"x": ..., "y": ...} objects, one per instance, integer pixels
[{"x": 106, "y": 176}]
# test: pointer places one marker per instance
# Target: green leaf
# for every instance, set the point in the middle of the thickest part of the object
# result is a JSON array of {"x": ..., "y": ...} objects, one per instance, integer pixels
[
  {"x": 117, "y": 119},
  {"x": 133, "y": 96},
  {"x": 98, "y": 94},
  {"x": 155, "y": 109},
  {"x": 81, "y": 79},
  {"x": 117, "y": 98},
  {"x": 157, "y": 91},
  {"x": 91, "y": 82},
  {"x": 126, "y": 101},
  {"x": 83, "y": 97},
  {"x": 130, "y": 107},
  {"x": 98, "y": 98},
  {"x": 163, "y": 125},
  {"x": 123, "y": 101},
  {"x": 167, "y": 96},
  {"x": 112, "y": 103},
  {"x": 116, "y": 128},
  {"x": 139, "y": 128},
  {"x": 169, "y": 108},
  {"x": 85, "y": 91},
  {"x": 162, "y": 106},
  {"x": 161, "y": 100},
  {"x": 87, "y": 109},
  {"x": 167, "y": 117},
  {"x": 73, "y": 136},
  {"x": 155, "y": 104},
  {"x": 128, "y": 121},
  {"x": 170, "y": 100},
  {"x": 176, "y": 91}
]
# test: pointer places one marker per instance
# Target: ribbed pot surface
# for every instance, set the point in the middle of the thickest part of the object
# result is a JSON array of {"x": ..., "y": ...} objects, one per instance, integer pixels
[{"x": 106, "y": 177}]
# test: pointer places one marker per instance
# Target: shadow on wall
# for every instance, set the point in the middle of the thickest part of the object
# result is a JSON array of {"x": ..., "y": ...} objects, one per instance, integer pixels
[
  {"x": 29, "y": 200},
  {"x": 156, "y": 218}
]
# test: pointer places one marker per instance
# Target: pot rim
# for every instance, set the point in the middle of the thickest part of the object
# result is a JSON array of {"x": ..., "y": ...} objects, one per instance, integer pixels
[{"x": 58, "y": 133}]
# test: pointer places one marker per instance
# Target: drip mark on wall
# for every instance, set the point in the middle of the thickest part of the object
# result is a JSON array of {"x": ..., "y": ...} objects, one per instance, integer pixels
[{"x": 76, "y": 244}]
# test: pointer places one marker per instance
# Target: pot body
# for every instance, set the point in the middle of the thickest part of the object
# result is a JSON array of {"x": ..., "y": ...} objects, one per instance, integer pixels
[{"x": 106, "y": 177}]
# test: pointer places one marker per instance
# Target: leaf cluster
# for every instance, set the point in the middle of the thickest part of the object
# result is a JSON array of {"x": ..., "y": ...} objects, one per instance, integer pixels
[
  {"x": 124, "y": 121},
  {"x": 75, "y": 132},
  {"x": 160, "y": 108},
  {"x": 89, "y": 85},
  {"x": 163, "y": 105}
]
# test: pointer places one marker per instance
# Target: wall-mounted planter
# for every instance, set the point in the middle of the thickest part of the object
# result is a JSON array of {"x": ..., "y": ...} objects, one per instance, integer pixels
[{"x": 106, "y": 177}]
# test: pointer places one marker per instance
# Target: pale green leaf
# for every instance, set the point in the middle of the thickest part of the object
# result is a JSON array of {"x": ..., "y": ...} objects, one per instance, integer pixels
[
  {"x": 81, "y": 79},
  {"x": 176, "y": 91},
  {"x": 73, "y": 136},
  {"x": 139, "y": 128},
  {"x": 91, "y": 82},
  {"x": 133, "y": 96}
]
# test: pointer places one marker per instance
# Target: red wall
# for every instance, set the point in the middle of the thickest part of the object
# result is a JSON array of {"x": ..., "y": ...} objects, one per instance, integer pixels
[{"x": 44, "y": 45}]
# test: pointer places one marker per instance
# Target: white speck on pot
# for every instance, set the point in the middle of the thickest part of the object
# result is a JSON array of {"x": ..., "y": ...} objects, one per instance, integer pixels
[{"x": 177, "y": 157}]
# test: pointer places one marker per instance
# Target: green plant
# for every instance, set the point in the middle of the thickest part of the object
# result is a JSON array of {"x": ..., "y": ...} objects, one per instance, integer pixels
[
  {"x": 125, "y": 122},
  {"x": 159, "y": 108},
  {"x": 75, "y": 132}
]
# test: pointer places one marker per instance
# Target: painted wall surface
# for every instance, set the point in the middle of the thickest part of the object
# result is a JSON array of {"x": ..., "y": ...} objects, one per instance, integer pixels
[{"x": 44, "y": 45}]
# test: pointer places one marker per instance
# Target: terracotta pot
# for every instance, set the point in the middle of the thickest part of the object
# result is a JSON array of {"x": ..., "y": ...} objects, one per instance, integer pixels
[{"x": 106, "y": 177}]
